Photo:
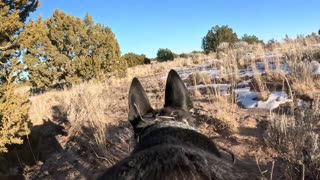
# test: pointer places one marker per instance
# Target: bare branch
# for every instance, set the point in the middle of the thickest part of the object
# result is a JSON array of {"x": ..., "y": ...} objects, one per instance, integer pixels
[{"x": 8, "y": 46}]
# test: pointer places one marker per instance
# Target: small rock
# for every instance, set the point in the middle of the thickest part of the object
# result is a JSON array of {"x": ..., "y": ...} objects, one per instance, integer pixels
[{"x": 39, "y": 163}]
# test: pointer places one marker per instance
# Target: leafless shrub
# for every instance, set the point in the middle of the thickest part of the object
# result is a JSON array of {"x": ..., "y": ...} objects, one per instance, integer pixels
[{"x": 296, "y": 139}]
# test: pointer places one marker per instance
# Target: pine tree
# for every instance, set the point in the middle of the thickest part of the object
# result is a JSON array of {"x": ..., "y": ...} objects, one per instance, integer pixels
[{"x": 13, "y": 107}]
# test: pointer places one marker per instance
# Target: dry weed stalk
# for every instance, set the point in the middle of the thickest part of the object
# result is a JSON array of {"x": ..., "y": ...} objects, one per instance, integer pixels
[{"x": 296, "y": 139}]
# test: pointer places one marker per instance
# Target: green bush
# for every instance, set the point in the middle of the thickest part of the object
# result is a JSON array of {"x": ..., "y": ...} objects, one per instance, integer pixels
[
  {"x": 67, "y": 49},
  {"x": 147, "y": 60},
  {"x": 316, "y": 55},
  {"x": 251, "y": 39},
  {"x": 183, "y": 55},
  {"x": 164, "y": 55},
  {"x": 133, "y": 59},
  {"x": 217, "y": 35},
  {"x": 14, "y": 123}
]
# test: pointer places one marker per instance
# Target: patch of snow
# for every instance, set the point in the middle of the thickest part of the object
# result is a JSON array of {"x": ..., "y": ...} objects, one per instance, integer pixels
[
  {"x": 315, "y": 65},
  {"x": 303, "y": 104},
  {"x": 244, "y": 83},
  {"x": 215, "y": 86},
  {"x": 215, "y": 73},
  {"x": 274, "y": 100},
  {"x": 247, "y": 99}
]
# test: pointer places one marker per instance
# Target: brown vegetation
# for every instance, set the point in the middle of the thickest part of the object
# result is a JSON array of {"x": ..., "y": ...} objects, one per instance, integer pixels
[{"x": 96, "y": 111}]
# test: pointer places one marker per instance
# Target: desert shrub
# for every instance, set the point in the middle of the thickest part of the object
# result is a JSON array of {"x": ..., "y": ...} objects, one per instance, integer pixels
[
  {"x": 272, "y": 44},
  {"x": 251, "y": 39},
  {"x": 133, "y": 59},
  {"x": 183, "y": 55},
  {"x": 13, "y": 107},
  {"x": 197, "y": 78},
  {"x": 301, "y": 77},
  {"x": 87, "y": 111},
  {"x": 164, "y": 54},
  {"x": 316, "y": 55},
  {"x": 259, "y": 85},
  {"x": 297, "y": 140},
  {"x": 196, "y": 52},
  {"x": 217, "y": 35},
  {"x": 14, "y": 122},
  {"x": 67, "y": 49},
  {"x": 147, "y": 60},
  {"x": 92, "y": 108}
]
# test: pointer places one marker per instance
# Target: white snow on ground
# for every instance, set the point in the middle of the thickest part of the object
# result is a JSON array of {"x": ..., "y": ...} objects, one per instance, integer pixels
[
  {"x": 244, "y": 83},
  {"x": 186, "y": 72},
  {"x": 303, "y": 104},
  {"x": 214, "y": 73},
  {"x": 247, "y": 99},
  {"x": 215, "y": 86},
  {"x": 244, "y": 95},
  {"x": 315, "y": 65}
]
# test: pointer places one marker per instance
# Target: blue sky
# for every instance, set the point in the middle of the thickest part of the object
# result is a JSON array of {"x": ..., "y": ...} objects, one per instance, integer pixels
[{"x": 144, "y": 26}]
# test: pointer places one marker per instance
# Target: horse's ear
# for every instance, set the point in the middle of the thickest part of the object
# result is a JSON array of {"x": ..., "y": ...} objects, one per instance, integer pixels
[
  {"x": 176, "y": 94},
  {"x": 139, "y": 104}
]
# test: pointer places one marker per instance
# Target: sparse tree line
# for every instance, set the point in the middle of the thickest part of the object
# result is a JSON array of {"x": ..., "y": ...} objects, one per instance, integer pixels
[{"x": 217, "y": 35}]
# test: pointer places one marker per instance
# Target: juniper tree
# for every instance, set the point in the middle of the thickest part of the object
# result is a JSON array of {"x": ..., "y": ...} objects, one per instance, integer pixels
[
  {"x": 251, "y": 39},
  {"x": 217, "y": 35},
  {"x": 69, "y": 50},
  {"x": 133, "y": 59},
  {"x": 13, "y": 107},
  {"x": 164, "y": 54}
]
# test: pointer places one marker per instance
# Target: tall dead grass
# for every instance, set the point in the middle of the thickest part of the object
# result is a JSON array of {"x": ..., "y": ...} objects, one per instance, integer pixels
[
  {"x": 92, "y": 106},
  {"x": 296, "y": 139},
  {"x": 163, "y": 67},
  {"x": 89, "y": 107}
]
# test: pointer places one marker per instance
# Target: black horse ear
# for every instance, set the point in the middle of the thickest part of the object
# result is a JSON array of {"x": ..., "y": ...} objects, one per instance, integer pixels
[
  {"x": 139, "y": 104},
  {"x": 176, "y": 94}
]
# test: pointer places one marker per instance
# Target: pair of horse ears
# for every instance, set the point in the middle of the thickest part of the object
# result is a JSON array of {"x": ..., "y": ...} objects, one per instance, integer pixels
[{"x": 176, "y": 96}]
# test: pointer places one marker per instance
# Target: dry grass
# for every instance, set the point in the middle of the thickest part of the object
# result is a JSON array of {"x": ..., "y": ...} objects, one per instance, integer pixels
[
  {"x": 259, "y": 84},
  {"x": 296, "y": 139},
  {"x": 89, "y": 108},
  {"x": 225, "y": 112},
  {"x": 302, "y": 79},
  {"x": 95, "y": 105},
  {"x": 163, "y": 67},
  {"x": 197, "y": 78},
  {"x": 42, "y": 106}
]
